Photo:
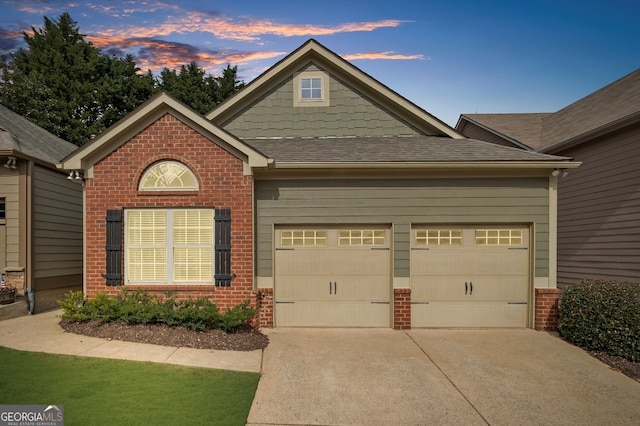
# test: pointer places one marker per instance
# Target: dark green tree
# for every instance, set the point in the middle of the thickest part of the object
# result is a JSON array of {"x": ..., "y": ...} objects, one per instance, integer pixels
[
  {"x": 197, "y": 89},
  {"x": 66, "y": 85}
]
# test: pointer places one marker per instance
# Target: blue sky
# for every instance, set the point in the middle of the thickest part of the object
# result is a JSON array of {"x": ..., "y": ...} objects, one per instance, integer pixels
[{"x": 448, "y": 57}]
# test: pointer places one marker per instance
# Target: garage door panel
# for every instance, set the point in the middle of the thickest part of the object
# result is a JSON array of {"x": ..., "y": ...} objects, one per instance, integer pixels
[
  {"x": 335, "y": 314},
  {"x": 345, "y": 281},
  {"x": 460, "y": 314},
  {"x": 493, "y": 262}
]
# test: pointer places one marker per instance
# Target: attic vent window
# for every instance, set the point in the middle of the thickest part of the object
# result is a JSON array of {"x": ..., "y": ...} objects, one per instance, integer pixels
[
  {"x": 311, "y": 89},
  {"x": 168, "y": 175}
]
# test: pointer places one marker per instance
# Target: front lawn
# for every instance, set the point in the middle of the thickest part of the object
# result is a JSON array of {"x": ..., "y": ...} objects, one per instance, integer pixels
[{"x": 97, "y": 391}]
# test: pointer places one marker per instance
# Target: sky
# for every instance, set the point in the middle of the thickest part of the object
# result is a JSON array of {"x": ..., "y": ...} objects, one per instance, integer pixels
[{"x": 447, "y": 57}]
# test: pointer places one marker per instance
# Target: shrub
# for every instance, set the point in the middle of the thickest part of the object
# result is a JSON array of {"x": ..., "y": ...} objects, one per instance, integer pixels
[
  {"x": 602, "y": 316},
  {"x": 138, "y": 307}
]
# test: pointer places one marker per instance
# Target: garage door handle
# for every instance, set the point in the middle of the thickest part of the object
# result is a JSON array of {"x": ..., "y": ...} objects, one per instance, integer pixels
[
  {"x": 470, "y": 287},
  {"x": 466, "y": 287},
  {"x": 330, "y": 287},
  {"x": 333, "y": 287}
]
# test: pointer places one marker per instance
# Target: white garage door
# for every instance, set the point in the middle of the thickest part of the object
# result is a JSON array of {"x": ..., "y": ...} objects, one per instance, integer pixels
[
  {"x": 333, "y": 277},
  {"x": 465, "y": 276}
]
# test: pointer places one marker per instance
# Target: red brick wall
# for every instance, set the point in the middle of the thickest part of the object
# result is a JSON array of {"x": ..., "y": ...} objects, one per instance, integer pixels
[
  {"x": 265, "y": 305},
  {"x": 401, "y": 308},
  {"x": 221, "y": 182},
  {"x": 547, "y": 312}
]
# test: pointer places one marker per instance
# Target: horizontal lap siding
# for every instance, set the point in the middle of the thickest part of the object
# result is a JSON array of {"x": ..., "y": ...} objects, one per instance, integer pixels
[
  {"x": 402, "y": 203},
  {"x": 57, "y": 224},
  {"x": 599, "y": 211},
  {"x": 11, "y": 193}
]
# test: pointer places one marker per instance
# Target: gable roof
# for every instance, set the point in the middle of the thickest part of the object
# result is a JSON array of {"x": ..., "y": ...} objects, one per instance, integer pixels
[
  {"x": 156, "y": 107},
  {"x": 312, "y": 51},
  {"x": 416, "y": 151},
  {"x": 19, "y": 136},
  {"x": 523, "y": 130},
  {"x": 615, "y": 105}
]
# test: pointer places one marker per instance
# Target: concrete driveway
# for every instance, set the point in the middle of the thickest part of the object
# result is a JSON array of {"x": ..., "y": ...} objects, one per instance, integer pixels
[{"x": 419, "y": 377}]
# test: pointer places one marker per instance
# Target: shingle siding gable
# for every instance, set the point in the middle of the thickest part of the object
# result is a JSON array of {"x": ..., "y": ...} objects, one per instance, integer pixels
[{"x": 351, "y": 114}]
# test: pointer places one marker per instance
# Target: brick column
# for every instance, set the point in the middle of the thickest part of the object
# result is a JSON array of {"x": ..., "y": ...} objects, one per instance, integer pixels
[
  {"x": 402, "y": 308},
  {"x": 547, "y": 310},
  {"x": 265, "y": 307}
]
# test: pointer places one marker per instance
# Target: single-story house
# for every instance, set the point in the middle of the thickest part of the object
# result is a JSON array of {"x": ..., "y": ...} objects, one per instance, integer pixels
[
  {"x": 599, "y": 203},
  {"x": 326, "y": 199},
  {"x": 40, "y": 214}
]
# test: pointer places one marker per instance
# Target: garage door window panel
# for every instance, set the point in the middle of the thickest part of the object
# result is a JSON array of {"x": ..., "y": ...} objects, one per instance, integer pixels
[
  {"x": 361, "y": 237},
  {"x": 499, "y": 237},
  {"x": 438, "y": 237},
  {"x": 303, "y": 238}
]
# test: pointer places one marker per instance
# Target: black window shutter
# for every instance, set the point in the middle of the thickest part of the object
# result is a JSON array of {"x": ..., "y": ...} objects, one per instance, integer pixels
[
  {"x": 223, "y": 247},
  {"x": 114, "y": 247}
]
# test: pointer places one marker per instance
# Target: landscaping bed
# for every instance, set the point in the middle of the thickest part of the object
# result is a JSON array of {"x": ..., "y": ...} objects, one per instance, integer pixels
[{"x": 242, "y": 339}]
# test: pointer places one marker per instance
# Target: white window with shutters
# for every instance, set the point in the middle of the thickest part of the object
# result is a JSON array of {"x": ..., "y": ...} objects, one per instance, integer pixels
[{"x": 169, "y": 246}]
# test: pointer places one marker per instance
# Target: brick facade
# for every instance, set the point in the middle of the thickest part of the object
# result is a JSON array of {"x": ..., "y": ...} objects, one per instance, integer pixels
[
  {"x": 114, "y": 186},
  {"x": 401, "y": 308},
  {"x": 547, "y": 310}
]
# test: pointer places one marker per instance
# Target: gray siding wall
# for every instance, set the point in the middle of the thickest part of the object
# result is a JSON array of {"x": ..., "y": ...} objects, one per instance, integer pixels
[
  {"x": 599, "y": 211},
  {"x": 472, "y": 131},
  {"x": 350, "y": 114},
  {"x": 402, "y": 203},
  {"x": 57, "y": 225}
]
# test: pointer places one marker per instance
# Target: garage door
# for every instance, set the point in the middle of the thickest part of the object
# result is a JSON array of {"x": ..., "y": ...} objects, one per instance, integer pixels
[
  {"x": 465, "y": 276},
  {"x": 333, "y": 277}
]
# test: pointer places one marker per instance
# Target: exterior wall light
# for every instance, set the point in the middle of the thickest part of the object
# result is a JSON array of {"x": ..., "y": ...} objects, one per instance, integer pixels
[{"x": 11, "y": 163}]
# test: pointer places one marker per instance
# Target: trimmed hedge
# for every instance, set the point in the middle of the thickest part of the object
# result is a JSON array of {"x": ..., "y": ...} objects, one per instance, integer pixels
[
  {"x": 602, "y": 316},
  {"x": 138, "y": 307}
]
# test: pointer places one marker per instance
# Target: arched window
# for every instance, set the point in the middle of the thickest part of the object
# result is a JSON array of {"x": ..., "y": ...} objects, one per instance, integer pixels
[{"x": 168, "y": 175}]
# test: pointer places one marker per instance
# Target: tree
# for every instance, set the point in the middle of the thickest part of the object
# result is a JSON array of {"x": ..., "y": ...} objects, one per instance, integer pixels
[
  {"x": 200, "y": 91},
  {"x": 67, "y": 86}
]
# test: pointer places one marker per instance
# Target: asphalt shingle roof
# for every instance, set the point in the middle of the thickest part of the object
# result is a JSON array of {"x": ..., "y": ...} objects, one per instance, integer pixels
[
  {"x": 525, "y": 128},
  {"x": 613, "y": 102},
  {"x": 21, "y": 135},
  {"x": 391, "y": 149}
]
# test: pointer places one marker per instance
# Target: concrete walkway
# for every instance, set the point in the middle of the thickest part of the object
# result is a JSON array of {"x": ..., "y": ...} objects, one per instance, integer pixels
[
  {"x": 387, "y": 377},
  {"x": 42, "y": 333},
  {"x": 424, "y": 377}
]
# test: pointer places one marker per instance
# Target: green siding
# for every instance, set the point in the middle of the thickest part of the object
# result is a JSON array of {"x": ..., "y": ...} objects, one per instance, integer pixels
[
  {"x": 402, "y": 203},
  {"x": 349, "y": 114}
]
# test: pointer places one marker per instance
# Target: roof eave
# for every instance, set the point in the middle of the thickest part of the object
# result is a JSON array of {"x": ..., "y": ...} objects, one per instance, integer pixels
[{"x": 435, "y": 165}]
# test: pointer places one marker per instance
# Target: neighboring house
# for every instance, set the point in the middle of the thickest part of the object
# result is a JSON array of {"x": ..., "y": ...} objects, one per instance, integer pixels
[
  {"x": 599, "y": 203},
  {"x": 40, "y": 213},
  {"x": 324, "y": 198}
]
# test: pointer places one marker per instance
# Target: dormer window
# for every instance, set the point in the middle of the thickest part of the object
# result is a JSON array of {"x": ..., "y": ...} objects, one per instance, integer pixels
[{"x": 311, "y": 89}]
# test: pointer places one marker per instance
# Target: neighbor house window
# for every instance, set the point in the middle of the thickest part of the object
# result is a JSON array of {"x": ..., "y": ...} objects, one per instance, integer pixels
[
  {"x": 167, "y": 246},
  {"x": 168, "y": 175},
  {"x": 311, "y": 88}
]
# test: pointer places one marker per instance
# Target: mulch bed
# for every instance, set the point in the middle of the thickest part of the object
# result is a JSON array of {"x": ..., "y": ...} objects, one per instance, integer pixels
[
  {"x": 244, "y": 339},
  {"x": 616, "y": 363}
]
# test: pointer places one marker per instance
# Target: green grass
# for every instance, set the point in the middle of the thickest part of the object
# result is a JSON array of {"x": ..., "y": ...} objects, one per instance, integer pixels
[{"x": 96, "y": 391}]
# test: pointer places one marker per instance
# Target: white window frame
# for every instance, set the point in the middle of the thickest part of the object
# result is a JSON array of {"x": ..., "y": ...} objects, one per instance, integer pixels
[
  {"x": 299, "y": 101},
  {"x": 170, "y": 245}
]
